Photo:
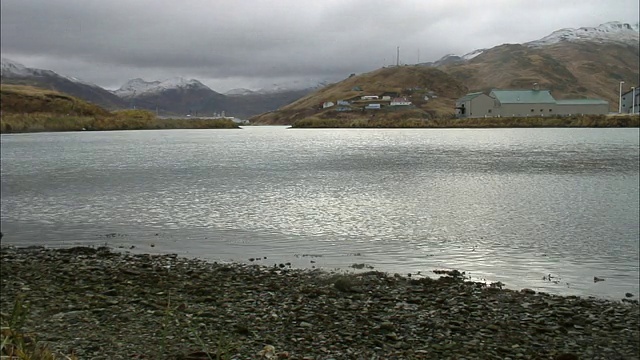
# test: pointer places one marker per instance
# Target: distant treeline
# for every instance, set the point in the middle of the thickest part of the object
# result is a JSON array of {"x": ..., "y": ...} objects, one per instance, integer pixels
[{"x": 493, "y": 122}]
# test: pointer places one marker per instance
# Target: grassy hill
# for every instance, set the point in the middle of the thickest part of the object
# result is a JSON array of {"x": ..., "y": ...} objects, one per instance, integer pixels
[
  {"x": 568, "y": 69},
  {"x": 31, "y": 109},
  {"x": 411, "y": 82}
]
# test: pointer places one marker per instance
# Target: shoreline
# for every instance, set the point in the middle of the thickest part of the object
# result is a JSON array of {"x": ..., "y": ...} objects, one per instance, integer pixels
[{"x": 104, "y": 304}]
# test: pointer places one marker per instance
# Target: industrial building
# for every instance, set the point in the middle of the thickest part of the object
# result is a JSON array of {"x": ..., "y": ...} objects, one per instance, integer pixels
[
  {"x": 630, "y": 101},
  {"x": 523, "y": 103}
]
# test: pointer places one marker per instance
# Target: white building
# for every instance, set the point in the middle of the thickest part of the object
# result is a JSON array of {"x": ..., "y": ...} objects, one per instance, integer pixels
[
  {"x": 629, "y": 105},
  {"x": 400, "y": 102},
  {"x": 327, "y": 104}
]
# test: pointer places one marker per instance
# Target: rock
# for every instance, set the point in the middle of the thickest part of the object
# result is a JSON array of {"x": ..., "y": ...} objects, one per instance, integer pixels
[
  {"x": 628, "y": 295},
  {"x": 597, "y": 279}
]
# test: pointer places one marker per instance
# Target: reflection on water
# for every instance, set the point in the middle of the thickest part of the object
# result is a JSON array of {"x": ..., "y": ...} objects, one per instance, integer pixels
[{"x": 510, "y": 205}]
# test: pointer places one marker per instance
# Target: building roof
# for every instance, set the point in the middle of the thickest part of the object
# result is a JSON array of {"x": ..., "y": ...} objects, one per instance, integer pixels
[
  {"x": 582, "y": 102},
  {"x": 469, "y": 96},
  {"x": 523, "y": 96}
]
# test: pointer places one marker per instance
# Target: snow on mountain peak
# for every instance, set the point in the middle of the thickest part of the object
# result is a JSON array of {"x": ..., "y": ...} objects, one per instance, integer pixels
[
  {"x": 10, "y": 67},
  {"x": 239, "y": 91},
  {"x": 613, "y": 31},
  {"x": 136, "y": 87}
]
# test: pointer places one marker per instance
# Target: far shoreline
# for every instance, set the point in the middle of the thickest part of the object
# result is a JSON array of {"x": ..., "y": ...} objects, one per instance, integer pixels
[{"x": 576, "y": 121}]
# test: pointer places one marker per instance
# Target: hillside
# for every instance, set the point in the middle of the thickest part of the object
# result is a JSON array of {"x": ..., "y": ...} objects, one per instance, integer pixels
[
  {"x": 568, "y": 69},
  {"x": 13, "y": 73},
  {"x": 411, "y": 82},
  {"x": 20, "y": 99},
  {"x": 31, "y": 109}
]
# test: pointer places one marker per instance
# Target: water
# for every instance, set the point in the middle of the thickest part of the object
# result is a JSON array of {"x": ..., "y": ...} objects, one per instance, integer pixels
[{"x": 509, "y": 205}]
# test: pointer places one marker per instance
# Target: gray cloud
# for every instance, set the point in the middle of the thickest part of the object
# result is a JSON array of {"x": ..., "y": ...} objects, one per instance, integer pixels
[{"x": 254, "y": 43}]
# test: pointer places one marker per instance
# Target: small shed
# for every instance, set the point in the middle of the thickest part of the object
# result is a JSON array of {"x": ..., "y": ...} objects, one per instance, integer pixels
[{"x": 327, "y": 104}]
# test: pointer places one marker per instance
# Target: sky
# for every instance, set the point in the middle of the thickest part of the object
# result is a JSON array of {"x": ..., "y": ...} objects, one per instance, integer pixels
[{"x": 257, "y": 44}]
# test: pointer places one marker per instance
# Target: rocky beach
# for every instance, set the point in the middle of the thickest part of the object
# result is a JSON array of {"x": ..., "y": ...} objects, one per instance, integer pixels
[{"x": 97, "y": 303}]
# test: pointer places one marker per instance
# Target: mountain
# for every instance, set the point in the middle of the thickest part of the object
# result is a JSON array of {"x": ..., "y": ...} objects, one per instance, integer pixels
[
  {"x": 175, "y": 96},
  {"x": 411, "y": 82},
  {"x": 584, "y": 62},
  {"x": 239, "y": 92},
  {"x": 12, "y": 72},
  {"x": 611, "y": 32},
  {"x": 179, "y": 96},
  {"x": 572, "y": 63}
]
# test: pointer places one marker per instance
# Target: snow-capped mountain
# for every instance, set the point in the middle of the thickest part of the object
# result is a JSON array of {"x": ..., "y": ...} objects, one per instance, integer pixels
[
  {"x": 306, "y": 84},
  {"x": 138, "y": 87},
  {"x": 12, "y": 72},
  {"x": 12, "y": 68},
  {"x": 614, "y": 31},
  {"x": 239, "y": 92}
]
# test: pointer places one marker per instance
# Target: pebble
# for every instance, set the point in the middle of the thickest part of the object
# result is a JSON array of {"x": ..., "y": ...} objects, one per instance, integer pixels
[{"x": 158, "y": 306}]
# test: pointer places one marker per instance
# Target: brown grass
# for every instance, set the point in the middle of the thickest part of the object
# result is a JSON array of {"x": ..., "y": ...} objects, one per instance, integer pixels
[
  {"x": 30, "y": 109},
  {"x": 528, "y": 122}
]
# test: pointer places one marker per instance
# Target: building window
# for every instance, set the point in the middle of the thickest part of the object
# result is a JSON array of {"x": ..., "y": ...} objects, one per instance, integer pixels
[
  {"x": 550, "y": 110},
  {"x": 531, "y": 110},
  {"x": 541, "y": 110},
  {"x": 489, "y": 111}
]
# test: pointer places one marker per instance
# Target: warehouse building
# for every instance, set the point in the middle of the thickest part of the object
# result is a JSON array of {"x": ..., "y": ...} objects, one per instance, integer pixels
[{"x": 523, "y": 103}]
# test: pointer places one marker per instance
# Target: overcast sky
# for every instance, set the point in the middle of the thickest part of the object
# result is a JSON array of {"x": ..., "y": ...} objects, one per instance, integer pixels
[{"x": 256, "y": 43}]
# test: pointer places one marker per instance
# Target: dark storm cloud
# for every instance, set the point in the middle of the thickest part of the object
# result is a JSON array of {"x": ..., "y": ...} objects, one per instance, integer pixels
[{"x": 254, "y": 42}]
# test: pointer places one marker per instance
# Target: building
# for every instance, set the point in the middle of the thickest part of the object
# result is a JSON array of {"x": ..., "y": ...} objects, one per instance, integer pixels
[
  {"x": 369, "y": 97},
  {"x": 628, "y": 104},
  {"x": 388, "y": 95},
  {"x": 475, "y": 104},
  {"x": 400, "y": 102},
  {"x": 327, "y": 104},
  {"x": 582, "y": 106},
  {"x": 372, "y": 107},
  {"x": 523, "y": 103}
]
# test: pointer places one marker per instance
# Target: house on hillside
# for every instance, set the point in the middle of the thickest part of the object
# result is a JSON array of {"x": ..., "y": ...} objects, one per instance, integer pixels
[
  {"x": 372, "y": 107},
  {"x": 388, "y": 95},
  {"x": 400, "y": 102},
  {"x": 343, "y": 102},
  {"x": 523, "y": 103},
  {"x": 327, "y": 104},
  {"x": 629, "y": 104},
  {"x": 369, "y": 97}
]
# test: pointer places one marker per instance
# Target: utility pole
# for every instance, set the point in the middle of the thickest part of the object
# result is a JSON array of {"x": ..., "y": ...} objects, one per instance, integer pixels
[
  {"x": 418, "y": 57},
  {"x": 398, "y": 56},
  {"x": 620, "y": 99}
]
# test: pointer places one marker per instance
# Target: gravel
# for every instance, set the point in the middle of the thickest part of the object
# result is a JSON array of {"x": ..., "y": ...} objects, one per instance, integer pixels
[{"x": 102, "y": 304}]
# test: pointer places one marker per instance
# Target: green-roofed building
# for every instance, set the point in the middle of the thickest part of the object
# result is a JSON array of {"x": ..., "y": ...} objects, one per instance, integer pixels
[
  {"x": 582, "y": 106},
  {"x": 523, "y": 103},
  {"x": 475, "y": 104}
]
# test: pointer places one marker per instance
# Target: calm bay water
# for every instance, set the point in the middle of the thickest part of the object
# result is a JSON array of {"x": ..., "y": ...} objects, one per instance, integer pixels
[{"x": 509, "y": 205}]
